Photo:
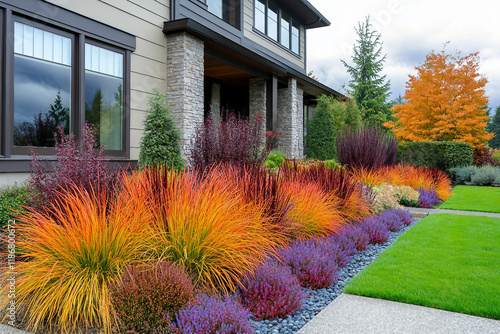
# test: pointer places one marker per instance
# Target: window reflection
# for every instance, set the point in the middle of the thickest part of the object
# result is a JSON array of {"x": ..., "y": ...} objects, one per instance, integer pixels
[
  {"x": 272, "y": 21},
  {"x": 42, "y": 85},
  {"x": 285, "y": 30},
  {"x": 295, "y": 37},
  {"x": 104, "y": 95},
  {"x": 260, "y": 15}
]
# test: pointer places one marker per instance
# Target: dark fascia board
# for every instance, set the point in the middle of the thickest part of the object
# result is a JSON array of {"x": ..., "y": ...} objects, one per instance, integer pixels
[
  {"x": 314, "y": 87},
  {"x": 199, "y": 30},
  {"x": 51, "y": 13},
  {"x": 305, "y": 12},
  {"x": 311, "y": 86}
]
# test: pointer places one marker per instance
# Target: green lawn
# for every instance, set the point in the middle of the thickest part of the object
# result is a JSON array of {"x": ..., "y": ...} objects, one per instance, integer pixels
[
  {"x": 446, "y": 261},
  {"x": 471, "y": 198}
]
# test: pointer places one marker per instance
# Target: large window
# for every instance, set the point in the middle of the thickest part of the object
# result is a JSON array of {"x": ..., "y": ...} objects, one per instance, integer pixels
[
  {"x": 227, "y": 10},
  {"x": 54, "y": 77},
  {"x": 272, "y": 21}
]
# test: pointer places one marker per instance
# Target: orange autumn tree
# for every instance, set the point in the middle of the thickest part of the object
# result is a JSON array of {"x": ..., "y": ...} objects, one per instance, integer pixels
[{"x": 446, "y": 102}]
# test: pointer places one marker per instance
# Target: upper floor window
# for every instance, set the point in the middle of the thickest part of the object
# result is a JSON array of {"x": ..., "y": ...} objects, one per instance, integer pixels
[
  {"x": 227, "y": 10},
  {"x": 277, "y": 24}
]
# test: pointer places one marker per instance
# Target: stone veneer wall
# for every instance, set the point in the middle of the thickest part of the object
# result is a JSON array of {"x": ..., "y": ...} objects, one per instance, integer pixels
[
  {"x": 258, "y": 98},
  {"x": 291, "y": 120},
  {"x": 185, "y": 71}
]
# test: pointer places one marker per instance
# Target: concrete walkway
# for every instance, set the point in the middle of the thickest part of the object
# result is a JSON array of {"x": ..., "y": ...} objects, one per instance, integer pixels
[{"x": 350, "y": 314}]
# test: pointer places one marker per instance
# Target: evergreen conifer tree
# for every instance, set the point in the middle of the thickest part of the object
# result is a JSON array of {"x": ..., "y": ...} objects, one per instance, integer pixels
[
  {"x": 321, "y": 132},
  {"x": 494, "y": 126},
  {"x": 161, "y": 142},
  {"x": 370, "y": 89}
]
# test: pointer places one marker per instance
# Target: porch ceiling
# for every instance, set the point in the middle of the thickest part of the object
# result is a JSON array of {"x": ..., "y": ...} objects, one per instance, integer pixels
[{"x": 225, "y": 73}]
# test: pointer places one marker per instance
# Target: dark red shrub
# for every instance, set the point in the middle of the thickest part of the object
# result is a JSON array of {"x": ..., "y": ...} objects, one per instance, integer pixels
[
  {"x": 148, "y": 297},
  {"x": 482, "y": 156},
  {"x": 237, "y": 141},
  {"x": 214, "y": 314},
  {"x": 271, "y": 292},
  {"x": 366, "y": 147},
  {"x": 83, "y": 164}
]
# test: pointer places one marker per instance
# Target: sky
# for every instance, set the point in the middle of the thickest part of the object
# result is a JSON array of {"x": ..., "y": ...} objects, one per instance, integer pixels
[{"x": 409, "y": 29}]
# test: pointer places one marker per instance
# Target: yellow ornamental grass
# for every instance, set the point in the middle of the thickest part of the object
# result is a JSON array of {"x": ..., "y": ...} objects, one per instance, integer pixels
[
  {"x": 385, "y": 199},
  {"x": 74, "y": 253}
]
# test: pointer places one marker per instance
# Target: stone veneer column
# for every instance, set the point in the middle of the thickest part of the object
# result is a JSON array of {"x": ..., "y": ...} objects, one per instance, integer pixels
[
  {"x": 185, "y": 71},
  {"x": 215, "y": 103},
  {"x": 258, "y": 102},
  {"x": 291, "y": 120}
]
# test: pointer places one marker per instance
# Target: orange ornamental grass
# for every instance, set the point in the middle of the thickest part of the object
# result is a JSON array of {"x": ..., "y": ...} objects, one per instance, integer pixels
[
  {"x": 312, "y": 213},
  {"x": 418, "y": 177},
  {"x": 74, "y": 253},
  {"x": 367, "y": 176},
  {"x": 203, "y": 225}
]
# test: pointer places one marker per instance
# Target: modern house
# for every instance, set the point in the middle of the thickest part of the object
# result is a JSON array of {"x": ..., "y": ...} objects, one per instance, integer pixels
[{"x": 64, "y": 62}]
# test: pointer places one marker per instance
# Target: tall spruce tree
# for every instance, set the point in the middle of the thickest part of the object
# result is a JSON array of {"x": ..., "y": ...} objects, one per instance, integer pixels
[
  {"x": 494, "y": 126},
  {"x": 370, "y": 89},
  {"x": 161, "y": 142}
]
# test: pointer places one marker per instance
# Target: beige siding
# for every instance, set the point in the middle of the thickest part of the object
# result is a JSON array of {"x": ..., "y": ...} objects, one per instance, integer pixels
[
  {"x": 144, "y": 19},
  {"x": 250, "y": 34},
  {"x": 9, "y": 179}
]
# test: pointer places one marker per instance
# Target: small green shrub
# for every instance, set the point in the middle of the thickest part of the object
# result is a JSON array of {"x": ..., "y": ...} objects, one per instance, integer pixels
[
  {"x": 321, "y": 132},
  {"x": 463, "y": 174},
  {"x": 275, "y": 159},
  {"x": 161, "y": 142},
  {"x": 485, "y": 175},
  {"x": 496, "y": 156},
  {"x": 442, "y": 155},
  {"x": 12, "y": 198}
]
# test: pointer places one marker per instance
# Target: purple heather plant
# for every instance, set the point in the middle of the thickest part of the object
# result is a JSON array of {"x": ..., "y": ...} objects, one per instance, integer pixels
[
  {"x": 311, "y": 262},
  {"x": 360, "y": 237},
  {"x": 391, "y": 219},
  {"x": 377, "y": 230},
  {"x": 214, "y": 314},
  {"x": 405, "y": 216},
  {"x": 428, "y": 198},
  {"x": 271, "y": 292}
]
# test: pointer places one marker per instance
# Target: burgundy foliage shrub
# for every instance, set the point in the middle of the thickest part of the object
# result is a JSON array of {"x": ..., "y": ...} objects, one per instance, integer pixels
[
  {"x": 428, "y": 198},
  {"x": 366, "y": 147},
  {"x": 214, "y": 314},
  {"x": 482, "y": 156},
  {"x": 271, "y": 292},
  {"x": 237, "y": 141},
  {"x": 148, "y": 297},
  {"x": 311, "y": 262},
  {"x": 83, "y": 164}
]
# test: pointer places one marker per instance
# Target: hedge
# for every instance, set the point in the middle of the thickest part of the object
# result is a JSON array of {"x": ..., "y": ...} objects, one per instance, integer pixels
[{"x": 439, "y": 154}]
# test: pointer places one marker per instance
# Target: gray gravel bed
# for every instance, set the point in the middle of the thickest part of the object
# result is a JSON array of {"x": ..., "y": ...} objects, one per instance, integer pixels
[{"x": 317, "y": 300}]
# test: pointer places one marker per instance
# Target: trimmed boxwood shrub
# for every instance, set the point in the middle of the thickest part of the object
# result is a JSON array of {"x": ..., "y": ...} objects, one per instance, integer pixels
[{"x": 441, "y": 154}]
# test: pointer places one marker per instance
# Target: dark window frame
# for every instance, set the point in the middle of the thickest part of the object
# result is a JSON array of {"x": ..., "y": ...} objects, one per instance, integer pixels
[
  {"x": 266, "y": 32},
  {"x": 82, "y": 30},
  {"x": 225, "y": 13}
]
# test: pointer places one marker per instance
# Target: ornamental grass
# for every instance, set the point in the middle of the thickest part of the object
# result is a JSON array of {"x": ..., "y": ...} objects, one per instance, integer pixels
[
  {"x": 313, "y": 214},
  {"x": 203, "y": 225},
  {"x": 76, "y": 248},
  {"x": 341, "y": 188}
]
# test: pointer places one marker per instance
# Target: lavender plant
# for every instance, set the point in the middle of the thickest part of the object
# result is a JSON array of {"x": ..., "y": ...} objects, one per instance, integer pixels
[{"x": 428, "y": 198}]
